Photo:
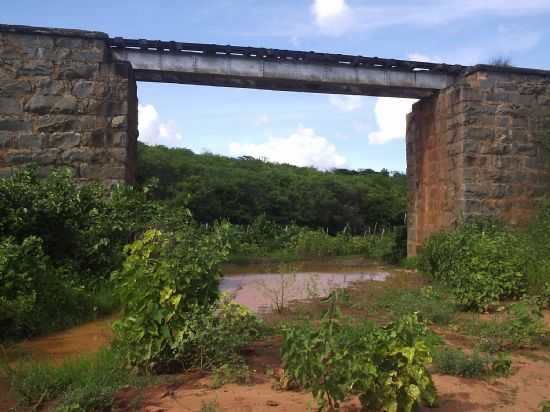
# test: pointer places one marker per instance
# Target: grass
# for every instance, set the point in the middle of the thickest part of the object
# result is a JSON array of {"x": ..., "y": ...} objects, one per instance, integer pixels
[
  {"x": 87, "y": 383},
  {"x": 433, "y": 304},
  {"x": 519, "y": 326},
  {"x": 239, "y": 373},
  {"x": 451, "y": 361}
]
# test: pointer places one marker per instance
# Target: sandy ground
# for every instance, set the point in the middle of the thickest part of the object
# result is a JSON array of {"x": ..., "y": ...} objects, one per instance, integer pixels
[
  {"x": 528, "y": 385},
  {"x": 522, "y": 391}
]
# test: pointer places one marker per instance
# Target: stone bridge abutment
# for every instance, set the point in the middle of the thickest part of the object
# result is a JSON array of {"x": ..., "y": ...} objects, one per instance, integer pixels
[{"x": 478, "y": 141}]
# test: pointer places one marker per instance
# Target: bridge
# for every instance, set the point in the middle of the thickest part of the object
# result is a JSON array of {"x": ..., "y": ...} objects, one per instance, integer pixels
[
  {"x": 478, "y": 140},
  {"x": 287, "y": 70}
]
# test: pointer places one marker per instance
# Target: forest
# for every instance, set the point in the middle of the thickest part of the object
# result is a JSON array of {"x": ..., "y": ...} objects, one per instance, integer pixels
[{"x": 242, "y": 189}]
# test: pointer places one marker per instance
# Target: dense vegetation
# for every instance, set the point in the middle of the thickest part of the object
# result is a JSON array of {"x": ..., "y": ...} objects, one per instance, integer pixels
[
  {"x": 239, "y": 190},
  {"x": 484, "y": 263},
  {"x": 59, "y": 241}
]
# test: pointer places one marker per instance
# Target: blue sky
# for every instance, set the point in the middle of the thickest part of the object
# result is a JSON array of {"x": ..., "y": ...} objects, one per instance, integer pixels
[{"x": 304, "y": 129}]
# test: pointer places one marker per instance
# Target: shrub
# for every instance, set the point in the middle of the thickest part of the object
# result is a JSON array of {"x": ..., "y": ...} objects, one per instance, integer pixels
[
  {"x": 451, "y": 361},
  {"x": 523, "y": 327},
  {"x": 177, "y": 321},
  {"x": 212, "y": 337},
  {"x": 386, "y": 367},
  {"x": 34, "y": 294},
  {"x": 481, "y": 263},
  {"x": 181, "y": 271}
]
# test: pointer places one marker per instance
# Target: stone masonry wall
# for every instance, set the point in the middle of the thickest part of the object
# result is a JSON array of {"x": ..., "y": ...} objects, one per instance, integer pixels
[
  {"x": 478, "y": 149},
  {"x": 64, "y": 103}
]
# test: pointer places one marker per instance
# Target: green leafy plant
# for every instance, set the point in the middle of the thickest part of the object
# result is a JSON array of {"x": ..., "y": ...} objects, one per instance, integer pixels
[
  {"x": 452, "y": 361},
  {"x": 481, "y": 263},
  {"x": 181, "y": 274},
  {"x": 87, "y": 383},
  {"x": 236, "y": 372},
  {"x": 34, "y": 294},
  {"x": 386, "y": 366}
]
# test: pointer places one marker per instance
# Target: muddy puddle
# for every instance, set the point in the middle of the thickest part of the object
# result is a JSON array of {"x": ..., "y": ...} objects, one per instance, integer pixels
[
  {"x": 262, "y": 287},
  {"x": 255, "y": 286}
]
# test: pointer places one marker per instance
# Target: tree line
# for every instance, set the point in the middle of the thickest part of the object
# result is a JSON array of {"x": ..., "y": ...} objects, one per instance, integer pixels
[{"x": 241, "y": 189}]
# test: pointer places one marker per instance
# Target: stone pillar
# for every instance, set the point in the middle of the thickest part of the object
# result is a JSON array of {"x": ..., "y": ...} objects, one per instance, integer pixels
[
  {"x": 64, "y": 102},
  {"x": 480, "y": 148}
]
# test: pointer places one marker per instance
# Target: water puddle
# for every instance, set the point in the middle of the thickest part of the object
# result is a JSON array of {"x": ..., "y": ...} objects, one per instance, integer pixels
[
  {"x": 255, "y": 286},
  {"x": 262, "y": 292},
  {"x": 75, "y": 341}
]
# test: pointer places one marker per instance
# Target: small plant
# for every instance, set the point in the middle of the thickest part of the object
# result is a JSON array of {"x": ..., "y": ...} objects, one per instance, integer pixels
[
  {"x": 431, "y": 303},
  {"x": 237, "y": 372},
  {"x": 209, "y": 406},
  {"x": 522, "y": 326},
  {"x": 386, "y": 367},
  {"x": 278, "y": 293},
  {"x": 181, "y": 271},
  {"x": 452, "y": 361}
]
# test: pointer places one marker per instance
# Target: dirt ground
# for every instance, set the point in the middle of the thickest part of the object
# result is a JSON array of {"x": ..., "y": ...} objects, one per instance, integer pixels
[{"x": 523, "y": 390}]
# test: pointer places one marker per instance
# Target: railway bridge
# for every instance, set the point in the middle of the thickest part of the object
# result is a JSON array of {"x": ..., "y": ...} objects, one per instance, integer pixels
[{"x": 478, "y": 139}]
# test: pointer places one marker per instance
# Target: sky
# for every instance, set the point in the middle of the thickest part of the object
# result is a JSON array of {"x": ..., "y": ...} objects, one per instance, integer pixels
[{"x": 319, "y": 130}]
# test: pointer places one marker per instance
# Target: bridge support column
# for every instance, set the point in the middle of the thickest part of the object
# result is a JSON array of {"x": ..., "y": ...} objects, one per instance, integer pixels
[
  {"x": 480, "y": 148},
  {"x": 64, "y": 102}
]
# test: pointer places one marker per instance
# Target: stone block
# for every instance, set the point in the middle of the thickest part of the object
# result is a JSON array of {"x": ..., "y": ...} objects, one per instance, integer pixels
[
  {"x": 119, "y": 122},
  {"x": 30, "y": 141},
  {"x": 77, "y": 154},
  {"x": 83, "y": 88},
  {"x": 58, "y": 123},
  {"x": 10, "y": 105},
  {"x": 15, "y": 125},
  {"x": 35, "y": 68},
  {"x": 101, "y": 172},
  {"x": 48, "y": 87},
  {"x": 64, "y": 140},
  {"x": 75, "y": 70},
  {"x": 47, "y": 156},
  {"x": 41, "y": 104},
  {"x": 14, "y": 88}
]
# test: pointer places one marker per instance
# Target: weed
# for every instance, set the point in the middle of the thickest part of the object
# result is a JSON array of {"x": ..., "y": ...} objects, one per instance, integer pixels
[
  {"x": 209, "y": 406},
  {"x": 79, "y": 384},
  {"x": 522, "y": 326},
  {"x": 452, "y": 361},
  {"x": 433, "y": 304},
  {"x": 236, "y": 372},
  {"x": 278, "y": 293}
]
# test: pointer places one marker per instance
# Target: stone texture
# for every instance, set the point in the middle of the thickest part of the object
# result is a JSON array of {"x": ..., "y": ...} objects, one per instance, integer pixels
[
  {"x": 477, "y": 150},
  {"x": 64, "y": 102}
]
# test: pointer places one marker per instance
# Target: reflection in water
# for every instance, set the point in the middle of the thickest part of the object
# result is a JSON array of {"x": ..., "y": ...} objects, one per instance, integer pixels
[{"x": 263, "y": 291}]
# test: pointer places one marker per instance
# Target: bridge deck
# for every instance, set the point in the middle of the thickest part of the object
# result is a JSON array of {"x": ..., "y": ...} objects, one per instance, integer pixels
[{"x": 273, "y": 69}]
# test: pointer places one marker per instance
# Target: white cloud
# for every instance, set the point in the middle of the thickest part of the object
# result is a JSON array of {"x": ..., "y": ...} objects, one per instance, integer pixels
[
  {"x": 346, "y": 103},
  {"x": 421, "y": 57},
  {"x": 391, "y": 116},
  {"x": 156, "y": 132},
  {"x": 332, "y": 16},
  {"x": 262, "y": 120},
  {"x": 337, "y": 17},
  {"x": 302, "y": 148}
]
